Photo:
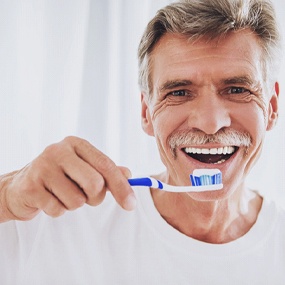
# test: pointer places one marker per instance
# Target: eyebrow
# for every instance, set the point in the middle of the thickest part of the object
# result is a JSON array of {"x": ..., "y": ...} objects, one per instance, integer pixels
[
  {"x": 238, "y": 80},
  {"x": 171, "y": 84}
]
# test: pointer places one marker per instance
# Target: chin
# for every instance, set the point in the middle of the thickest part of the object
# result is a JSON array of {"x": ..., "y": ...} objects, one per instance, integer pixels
[{"x": 211, "y": 196}]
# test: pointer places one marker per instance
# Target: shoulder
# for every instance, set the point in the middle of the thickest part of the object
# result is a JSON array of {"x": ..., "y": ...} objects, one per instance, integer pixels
[{"x": 274, "y": 214}]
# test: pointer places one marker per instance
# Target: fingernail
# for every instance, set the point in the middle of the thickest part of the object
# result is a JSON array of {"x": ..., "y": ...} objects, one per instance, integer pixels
[{"x": 130, "y": 203}]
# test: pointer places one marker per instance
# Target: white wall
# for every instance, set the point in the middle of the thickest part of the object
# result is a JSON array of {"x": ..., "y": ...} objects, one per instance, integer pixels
[{"x": 68, "y": 67}]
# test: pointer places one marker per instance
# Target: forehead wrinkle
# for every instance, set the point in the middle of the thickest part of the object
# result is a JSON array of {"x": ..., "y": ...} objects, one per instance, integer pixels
[{"x": 169, "y": 43}]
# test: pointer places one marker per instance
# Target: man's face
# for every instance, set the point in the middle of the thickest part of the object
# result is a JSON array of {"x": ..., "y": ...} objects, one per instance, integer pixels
[{"x": 206, "y": 89}]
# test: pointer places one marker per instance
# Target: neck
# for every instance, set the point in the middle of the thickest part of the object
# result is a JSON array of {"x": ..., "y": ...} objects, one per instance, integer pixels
[{"x": 218, "y": 221}]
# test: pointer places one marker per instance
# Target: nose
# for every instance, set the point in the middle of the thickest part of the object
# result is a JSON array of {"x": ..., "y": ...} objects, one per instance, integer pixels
[{"x": 210, "y": 114}]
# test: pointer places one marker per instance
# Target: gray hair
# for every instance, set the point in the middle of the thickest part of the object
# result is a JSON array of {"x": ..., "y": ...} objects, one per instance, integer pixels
[{"x": 212, "y": 18}]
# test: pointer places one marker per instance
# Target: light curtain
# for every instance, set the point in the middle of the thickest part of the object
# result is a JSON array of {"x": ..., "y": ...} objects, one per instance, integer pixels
[{"x": 69, "y": 67}]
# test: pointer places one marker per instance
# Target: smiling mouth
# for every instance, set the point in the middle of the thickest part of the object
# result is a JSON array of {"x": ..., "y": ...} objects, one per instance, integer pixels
[{"x": 211, "y": 155}]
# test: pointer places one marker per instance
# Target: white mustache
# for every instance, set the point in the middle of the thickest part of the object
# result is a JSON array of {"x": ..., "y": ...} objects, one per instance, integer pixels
[{"x": 226, "y": 136}]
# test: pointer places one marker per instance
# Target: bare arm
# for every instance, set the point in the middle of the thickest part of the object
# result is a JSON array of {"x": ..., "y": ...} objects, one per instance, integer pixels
[{"x": 64, "y": 177}]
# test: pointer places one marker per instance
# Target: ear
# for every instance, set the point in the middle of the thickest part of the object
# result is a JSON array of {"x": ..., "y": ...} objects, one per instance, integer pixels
[
  {"x": 273, "y": 108},
  {"x": 145, "y": 115}
]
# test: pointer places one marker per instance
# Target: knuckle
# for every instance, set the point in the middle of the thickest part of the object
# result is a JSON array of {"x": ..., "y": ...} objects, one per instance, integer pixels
[
  {"x": 60, "y": 148},
  {"x": 56, "y": 212},
  {"x": 105, "y": 165},
  {"x": 71, "y": 140},
  {"x": 95, "y": 190},
  {"x": 76, "y": 142},
  {"x": 92, "y": 186},
  {"x": 52, "y": 150},
  {"x": 57, "y": 153},
  {"x": 54, "y": 209},
  {"x": 97, "y": 199},
  {"x": 77, "y": 202}
]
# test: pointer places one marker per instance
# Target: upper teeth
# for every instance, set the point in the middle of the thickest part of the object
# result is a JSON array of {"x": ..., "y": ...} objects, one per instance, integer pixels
[{"x": 220, "y": 150}]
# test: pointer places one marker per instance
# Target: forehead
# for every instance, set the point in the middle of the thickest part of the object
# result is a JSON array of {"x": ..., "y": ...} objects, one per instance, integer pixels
[{"x": 236, "y": 54}]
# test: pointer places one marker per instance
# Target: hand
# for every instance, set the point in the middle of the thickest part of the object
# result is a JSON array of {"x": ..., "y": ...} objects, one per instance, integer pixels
[{"x": 65, "y": 176}]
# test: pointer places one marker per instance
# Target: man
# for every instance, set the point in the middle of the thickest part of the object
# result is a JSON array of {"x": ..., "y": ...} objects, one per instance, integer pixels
[{"x": 209, "y": 94}]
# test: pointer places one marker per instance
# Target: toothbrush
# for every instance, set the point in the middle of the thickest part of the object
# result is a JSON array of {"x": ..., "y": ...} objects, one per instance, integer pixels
[{"x": 201, "y": 179}]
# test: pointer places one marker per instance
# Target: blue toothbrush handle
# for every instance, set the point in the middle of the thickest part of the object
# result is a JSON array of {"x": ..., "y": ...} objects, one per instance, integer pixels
[{"x": 144, "y": 181}]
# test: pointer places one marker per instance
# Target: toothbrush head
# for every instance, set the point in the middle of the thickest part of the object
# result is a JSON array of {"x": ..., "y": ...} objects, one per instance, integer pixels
[{"x": 201, "y": 177}]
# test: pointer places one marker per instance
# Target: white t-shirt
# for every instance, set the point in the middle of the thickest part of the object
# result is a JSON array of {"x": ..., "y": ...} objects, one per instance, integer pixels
[{"x": 107, "y": 245}]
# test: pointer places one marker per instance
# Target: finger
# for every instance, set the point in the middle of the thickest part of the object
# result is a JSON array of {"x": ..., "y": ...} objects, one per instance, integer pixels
[
  {"x": 88, "y": 179},
  {"x": 53, "y": 207},
  {"x": 65, "y": 190},
  {"x": 125, "y": 171},
  {"x": 42, "y": 199},
  {"x": 115, "y": 180}
]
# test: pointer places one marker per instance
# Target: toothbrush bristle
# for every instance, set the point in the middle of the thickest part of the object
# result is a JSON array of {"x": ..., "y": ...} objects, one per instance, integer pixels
[{"x": 203, "y": 178}]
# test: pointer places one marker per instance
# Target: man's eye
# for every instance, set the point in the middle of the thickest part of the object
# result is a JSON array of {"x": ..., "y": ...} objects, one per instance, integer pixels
[
  {"x": 178, "y": 93},
  {"x": 237, "y": 90}
]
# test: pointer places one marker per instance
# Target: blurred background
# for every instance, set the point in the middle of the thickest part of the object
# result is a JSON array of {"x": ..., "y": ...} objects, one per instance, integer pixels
[{"x": 69, "y": 67}]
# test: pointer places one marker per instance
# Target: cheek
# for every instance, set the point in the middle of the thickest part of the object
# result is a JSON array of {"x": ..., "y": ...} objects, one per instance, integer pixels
[
  {"x": 263, "y": 107},
  {"x": 167, "y": 119},
  {"x": 171, "y": 105},
  {"x": 252, "y": 115},
  {"x": 251, "y": 105},
  {"x": 251, "y": 118}
]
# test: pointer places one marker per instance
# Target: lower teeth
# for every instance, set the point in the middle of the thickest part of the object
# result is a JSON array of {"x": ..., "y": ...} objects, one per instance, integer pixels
[{"x": 220, "y": 161}]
